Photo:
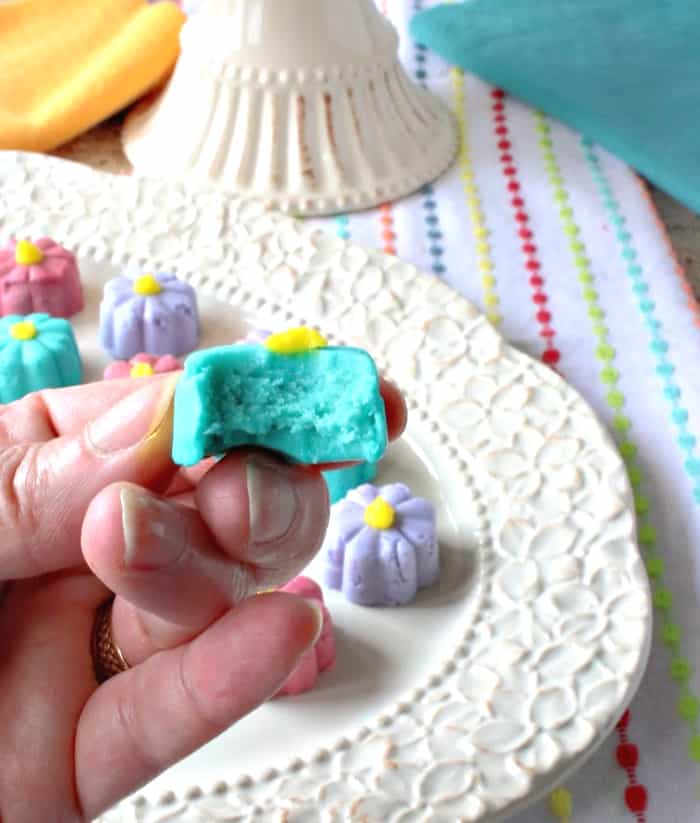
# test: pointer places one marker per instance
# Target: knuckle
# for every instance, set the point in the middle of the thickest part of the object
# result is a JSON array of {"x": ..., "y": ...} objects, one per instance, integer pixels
[
  {"x": 132, "y": 729},
  {"x": 20, "y": 481},
  {"x": 25, "y": 421},
  {"x": 204, "y": 711}
]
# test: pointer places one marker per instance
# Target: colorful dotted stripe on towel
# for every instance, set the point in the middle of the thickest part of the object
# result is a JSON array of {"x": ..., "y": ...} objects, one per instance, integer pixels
[
  {"x": 561, "y": 804},
  {"x": 688, "y": 705},
  {"x": 386, "y": 211},
  {"x": 433, "y": 231},
  {"x": 627, "y": 756},
  {"x": 386, "y": 218},
  {"x": 431, "y": 215},
  {"x": 609, "y": 376},
  {"x": 658, "y": 346},
  {"x": 484, "y": 262},
  {"x": 342, "y": 226},
  {"x": 692, "y": 302},
  {"x": 551, "y": 354},
  {"x": 605, "y": 353},
  {"x": 560, "y": 800}
]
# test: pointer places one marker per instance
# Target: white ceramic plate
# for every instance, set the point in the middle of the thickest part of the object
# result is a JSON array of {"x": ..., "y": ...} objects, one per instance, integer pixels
[{"x": 475, "y": 699}]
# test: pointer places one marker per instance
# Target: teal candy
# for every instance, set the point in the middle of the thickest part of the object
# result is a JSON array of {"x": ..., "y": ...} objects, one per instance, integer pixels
[
  {"x": 340, "y": 481},
  {"x": 623, "y": 72},
  {"x": 320, "y": 406},
  {"x": 50, "y": 360}
]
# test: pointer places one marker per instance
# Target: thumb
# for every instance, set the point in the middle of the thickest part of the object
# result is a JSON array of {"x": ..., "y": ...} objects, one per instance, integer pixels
[{"x": 45, "y": 488}]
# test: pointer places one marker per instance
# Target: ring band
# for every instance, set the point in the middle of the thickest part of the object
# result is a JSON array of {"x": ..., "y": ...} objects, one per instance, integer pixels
[{"x": 107, "y": 658}]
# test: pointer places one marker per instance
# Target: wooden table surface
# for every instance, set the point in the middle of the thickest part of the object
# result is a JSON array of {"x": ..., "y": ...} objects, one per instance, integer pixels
[{"x": 684, "y": 229}]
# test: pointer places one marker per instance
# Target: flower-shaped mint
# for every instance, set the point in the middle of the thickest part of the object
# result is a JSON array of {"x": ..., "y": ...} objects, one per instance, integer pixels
[
  {"x": 381, "y": 545},
  {"x": 141, "y": 365},
  {"x": 36, "y": 352},
  {"x": 321, "y": 656},
  {"x": 39, "y": 277},
  {"x": 152, "y": 313}
]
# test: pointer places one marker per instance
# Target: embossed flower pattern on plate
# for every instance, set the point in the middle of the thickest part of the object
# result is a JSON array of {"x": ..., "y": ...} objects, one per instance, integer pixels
[{"x": 557, "y": 615}]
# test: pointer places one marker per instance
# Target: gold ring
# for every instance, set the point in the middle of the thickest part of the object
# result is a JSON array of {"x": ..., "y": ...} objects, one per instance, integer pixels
[{"x": 107, "y": 657}]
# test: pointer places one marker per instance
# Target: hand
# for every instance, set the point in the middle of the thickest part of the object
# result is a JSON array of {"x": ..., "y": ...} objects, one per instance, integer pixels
[{"x": 90, "y": 503}]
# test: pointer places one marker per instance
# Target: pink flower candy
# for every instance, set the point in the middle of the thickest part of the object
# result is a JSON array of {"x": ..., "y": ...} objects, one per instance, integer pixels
[
  {"x": 142, "y": 365},
  {"x": 322, "y": 655},
  {"x": 39, "y": 276}
]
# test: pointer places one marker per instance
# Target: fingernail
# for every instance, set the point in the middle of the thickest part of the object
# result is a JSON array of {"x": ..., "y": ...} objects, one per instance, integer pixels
[
  {"x": 154, "y": 535},
  {"x": 272, "y": 501},
  {"x": 318, "y": 610},
  {"x": 134, "y": 420}
]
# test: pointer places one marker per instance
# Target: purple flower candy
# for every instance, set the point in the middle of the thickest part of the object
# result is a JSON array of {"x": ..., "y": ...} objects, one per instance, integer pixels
[
  {"x": 381, "y": 545},
  {"x": 153, "y": 313}
]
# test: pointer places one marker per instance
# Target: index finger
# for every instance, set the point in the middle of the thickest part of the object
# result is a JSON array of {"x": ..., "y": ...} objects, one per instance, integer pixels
[
  {"x": 50, "y": 413},
  {"x": 396, "y": 415}
]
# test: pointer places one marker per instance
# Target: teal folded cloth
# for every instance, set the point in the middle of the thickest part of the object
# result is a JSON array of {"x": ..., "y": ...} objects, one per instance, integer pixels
[{"x": 625, "y": 73}]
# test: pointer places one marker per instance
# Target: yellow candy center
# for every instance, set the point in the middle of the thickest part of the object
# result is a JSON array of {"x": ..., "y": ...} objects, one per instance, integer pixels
[
  {"x": 295, "y": 341},
  {"x": 24, "y": 330},
  {"x": 147, "y": 286},
  {"x": 26, "y": 253},
  {"x": 142, "y": 370},
  {"x": 380, "y": 514}
]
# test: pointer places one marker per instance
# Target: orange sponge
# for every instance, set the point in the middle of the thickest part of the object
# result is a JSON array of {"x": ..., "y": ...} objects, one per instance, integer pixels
[{"x": 66, "y": 66}]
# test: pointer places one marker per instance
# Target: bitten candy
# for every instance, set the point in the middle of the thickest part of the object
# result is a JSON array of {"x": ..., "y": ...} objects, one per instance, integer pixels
[
  {"x": 39, "y": 277},
  {"x": 340, "y": 481},
  {"x": 153, "y": 313},
  {"x": 36, "y": 352},
  {"x": 142, "y": 365},
  {"x": 321, "y": 656},
  {"x": 381, "y": 545},
  {"x": 293, "y": 394}
]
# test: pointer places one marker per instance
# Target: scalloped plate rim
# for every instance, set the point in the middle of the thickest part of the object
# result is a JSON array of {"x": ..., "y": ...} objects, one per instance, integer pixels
[{"x": 86, "y": 182}]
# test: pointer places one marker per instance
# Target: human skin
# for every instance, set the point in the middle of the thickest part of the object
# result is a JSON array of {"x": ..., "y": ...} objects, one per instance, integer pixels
[{"x": 91, "y": 504}]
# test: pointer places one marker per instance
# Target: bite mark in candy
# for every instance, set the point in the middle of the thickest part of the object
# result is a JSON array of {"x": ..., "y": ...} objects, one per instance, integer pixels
[{"x": 314, "y": 405}]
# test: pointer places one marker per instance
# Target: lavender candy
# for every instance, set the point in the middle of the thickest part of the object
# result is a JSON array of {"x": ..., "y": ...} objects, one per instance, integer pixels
[
  {"x": 381, "y": 545},
  {"x": 154, "y": 314}
]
